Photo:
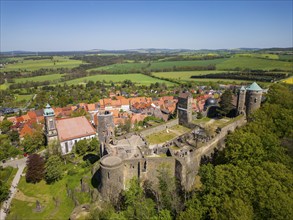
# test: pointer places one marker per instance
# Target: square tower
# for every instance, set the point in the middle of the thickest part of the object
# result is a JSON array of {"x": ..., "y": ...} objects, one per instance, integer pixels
[{"x": 184, "y": 108}]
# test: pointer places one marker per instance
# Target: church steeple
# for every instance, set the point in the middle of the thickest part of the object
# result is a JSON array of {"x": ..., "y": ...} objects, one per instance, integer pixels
[{"x": 50, "y": 126}]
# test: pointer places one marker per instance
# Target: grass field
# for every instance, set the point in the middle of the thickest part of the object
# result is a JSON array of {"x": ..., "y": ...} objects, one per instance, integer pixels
[
  {"x": 30, "y": 65},
  {"x": 136, "y": 78},
  {"x": 185, "y": 76},
  {"x": 164, "y": 136},
  {"x": 254, "y": 63},
  {"x": 158, "y": 65},
  {"x": 24, "y": 202},
  {"x": 50, "y": 77},
  {"x": 23, "y": 97}
]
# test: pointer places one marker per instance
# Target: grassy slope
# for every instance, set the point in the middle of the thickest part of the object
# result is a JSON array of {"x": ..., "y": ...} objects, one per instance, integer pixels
[
  {"x": 31, "y": 65},
  {"x": 136, "y": 78},
  {"x": 24, "y": 203}
]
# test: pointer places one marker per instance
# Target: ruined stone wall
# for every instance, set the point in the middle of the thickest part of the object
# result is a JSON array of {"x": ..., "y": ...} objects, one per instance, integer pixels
[
  {"x": 159, "y": 128},
  {"x": 147, "y": 168},
  {"x": 191, "y": 162}
]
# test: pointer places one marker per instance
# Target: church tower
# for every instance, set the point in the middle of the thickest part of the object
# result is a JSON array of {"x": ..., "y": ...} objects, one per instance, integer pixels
[
  {"x": 106, "y": 130},
  {"x": 253, "y": 98},
  {"x": 241, "y": 101},
  {"x": 184, "y": 108},
  {"x": 50, "y": 125}
]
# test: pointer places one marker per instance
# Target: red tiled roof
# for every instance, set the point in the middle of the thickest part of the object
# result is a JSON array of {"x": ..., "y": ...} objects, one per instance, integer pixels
[
  {"x": 91, "y": 107},
  {"x": 26, "y": 130},
  {"x": 72, "y": 128},
  {"x": 32, "y": 114}
]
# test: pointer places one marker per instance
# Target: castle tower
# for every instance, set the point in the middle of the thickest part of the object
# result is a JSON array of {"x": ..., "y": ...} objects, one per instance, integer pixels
[
  {"x": 253, "y": 98},
  {"x": 106, "y": 130},
  {"x": 184, "y": 108},
  {"x": 50, "y": 125},
  {"x": 112, "y": 179},
  {"x": 241, "y": 101}
]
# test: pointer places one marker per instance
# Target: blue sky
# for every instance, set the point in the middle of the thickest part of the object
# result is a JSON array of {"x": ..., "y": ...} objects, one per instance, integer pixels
[{"x": 84, "y": 25}]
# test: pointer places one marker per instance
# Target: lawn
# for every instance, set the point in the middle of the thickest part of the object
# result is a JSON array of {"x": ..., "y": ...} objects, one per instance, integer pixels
[
  {"x": 30, "y": 65},
  {"x": 254, "y": 63},
  {"x": 24, "y": 202},
  {"x": 50, "y": 77},
  {"x": 164, "y": 136},
  {"x": 23, "y": 97},
  {"x": 116, "y": 78}
]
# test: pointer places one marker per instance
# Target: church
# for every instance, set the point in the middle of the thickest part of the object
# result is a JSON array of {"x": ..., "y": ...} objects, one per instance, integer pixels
[{"x": 67, "y": 131}]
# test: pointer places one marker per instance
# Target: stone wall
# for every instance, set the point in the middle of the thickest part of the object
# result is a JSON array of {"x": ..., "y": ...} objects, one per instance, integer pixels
[
  {"x": 159, "y": 128},
  {"x": 191, "y": 162},
  {"x": 147, "y": 168}
]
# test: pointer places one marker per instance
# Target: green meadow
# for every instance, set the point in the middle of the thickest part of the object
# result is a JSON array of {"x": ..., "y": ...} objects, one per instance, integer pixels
[
  {"x": 158, "y": 65},
  {"x": 31, "y": 65},
  {"x": 50, "y": 77},
  {"x": 254, "y": 63},
  {"x": 117, "y": 78},
  {"x": 183, "y": 75}
]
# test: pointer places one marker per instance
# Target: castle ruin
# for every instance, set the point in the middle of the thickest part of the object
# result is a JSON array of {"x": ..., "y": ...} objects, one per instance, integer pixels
[{"x": 132, "y": 156}]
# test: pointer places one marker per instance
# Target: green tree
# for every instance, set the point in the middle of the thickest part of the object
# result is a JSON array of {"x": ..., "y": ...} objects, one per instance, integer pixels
[
  {"x": 94, "y": 145},
  {"x": 137, "y": 206},
  {"x": 81, "y": 147},
  {"x": 4, "y": 191},
  {"x": 53, "y": 169},
  {"x": 5, "y": 126},
  {"x": 168, "y": 197},
  {"x": 35, "y": 168},
  {"x": 6, "y": 149},
  {"x": 226, "y": 103}
]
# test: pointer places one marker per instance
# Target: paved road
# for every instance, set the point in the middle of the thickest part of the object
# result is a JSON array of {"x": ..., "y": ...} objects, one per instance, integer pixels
[{"x": 20, "y": 164}]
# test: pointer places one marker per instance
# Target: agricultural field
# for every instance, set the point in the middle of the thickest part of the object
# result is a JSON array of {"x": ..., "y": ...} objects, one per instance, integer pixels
[
  {"x": 51, "y": 77},
  {"x": 158, "y": 65},
  {"x": 289, "y": 80},
  {"x": 30, "y": 65},
  {"x": 185, "y": 76},
  {"x": 259, "y": 55},
  {"x": 116, "y": 78},
  {"x": 254, "y": 63}
]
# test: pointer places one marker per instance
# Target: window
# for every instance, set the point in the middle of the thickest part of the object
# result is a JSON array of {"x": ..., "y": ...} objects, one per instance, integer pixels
[
  {"x": 51, "y": 124},
  {"x": 66, "y": 147},
  {"x": 255, "y": 100},
  {"x": 144, "y": 167},
  {"x": 108, "y": 175}
]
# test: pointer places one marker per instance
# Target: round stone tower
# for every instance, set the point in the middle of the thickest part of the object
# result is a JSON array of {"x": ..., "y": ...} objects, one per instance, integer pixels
[
  {"x": 111, "y": 177},
  {"x": 253, "y": 98},
  {"x": 241, "y": 101},
  {"x": 106, "y": 130}
]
